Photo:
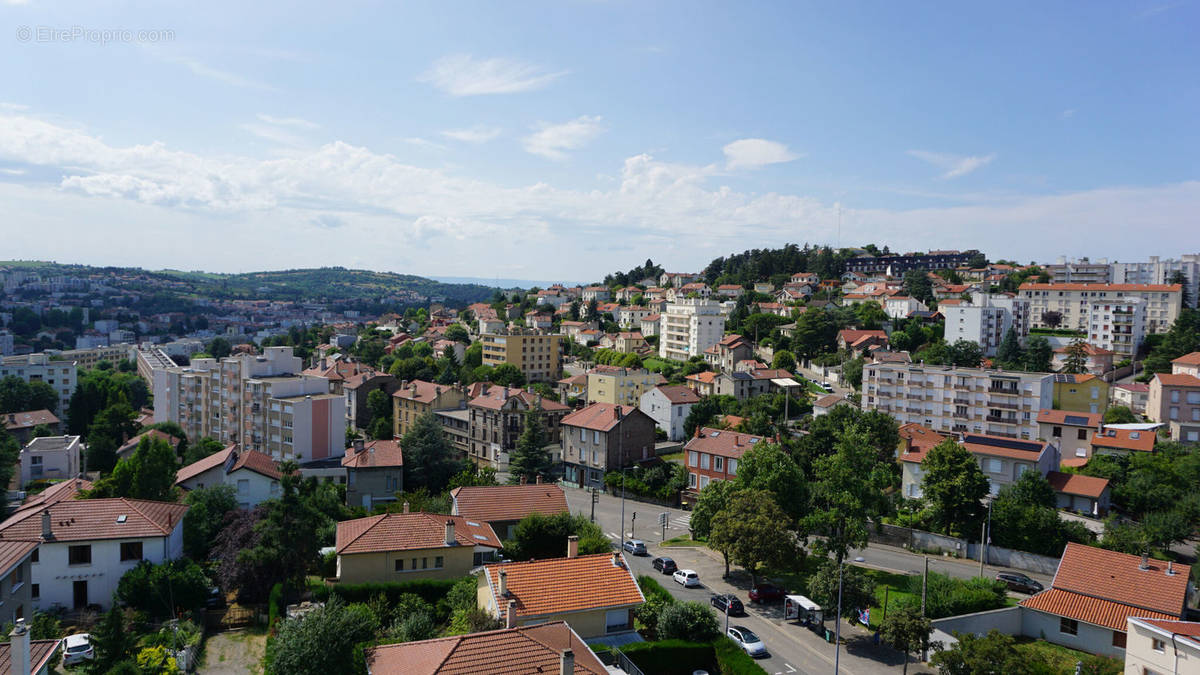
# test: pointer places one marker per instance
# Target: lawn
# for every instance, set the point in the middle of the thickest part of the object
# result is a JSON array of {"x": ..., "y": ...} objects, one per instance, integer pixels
[
  {"x": 672, "y": 457},
  {"x": 816, "y": 388},
  {"x": 1061, "y": 659},
  {"x": 684, "y": 540}
]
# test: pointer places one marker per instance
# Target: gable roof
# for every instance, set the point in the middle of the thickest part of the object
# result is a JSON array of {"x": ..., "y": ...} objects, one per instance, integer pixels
[
  {"x": 92, "y": 519},
  {"x": 1188, "y": 630},
  {"x": 921, "y": 440},
  {"x": 600, "y": 416},
  {"x": 408, "y": 532},
  {"x": 67, "y": 489},
  {"x": 1069, "y": 418},
  {"x": 253, "y": 460},
  {"x": 850, "y": 336},
  {"x": 421, "y": 391},
  {"x": 527, "y": 650},
  {"x": 1106, "y": 587},
  {"x": 1192, "y": 359},
  {"x": 679, "y": 394},
  {"x": 28, "y": 419},
  {"x": 494, "y": 503},
  {"x": 375, "y": 454},
  {"x": 13, "y": 551},
  {"x": 496, "y": 397},
  {"x": 1077, "y": 484},
  {"x": 829, "y": 401},
  {"x": 1001, "y": 446},
  {"x": 731, "y": 444},
  {"x": 40, "y": 652},
  {"x": 1177, "y": 379},
  {"x": 1124, "y": 439},
  {"x": 131, "y": 444},
  {"x": 537, "y": 587}
]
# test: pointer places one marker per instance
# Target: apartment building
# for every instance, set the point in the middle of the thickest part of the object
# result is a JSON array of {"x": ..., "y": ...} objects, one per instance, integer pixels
[
  {"x": 986, "y": 320},
  {"x": 417, "y": 397},
  {"x": 1074, "y": 302},
  {"x": 966, "y": 400},
  {"x": 258, "y": 402},
  {"x": 1001, "y": 459},
  {"x": 603, "y": 437},
  {"x": 1174, "y": 400},
  {"x": 897, "y": 265},
  {"x": 6, "y": 343},
  {"x": 150, "y": 359},
  {"x": 497, "y": 418},
  {"x": 615, "y": 385},
  {"x": 537, "y": 355},
  {"x": 41, "y": 368},
  {"x": 688, "y": 327},
  {"x": 86, "y": 359},
  {"x": 713, "y": 454},
  {"x": 1082, "y": 271},
  {"x": 1118, "y": 325},
  {"x": 1158, "y": 271}
]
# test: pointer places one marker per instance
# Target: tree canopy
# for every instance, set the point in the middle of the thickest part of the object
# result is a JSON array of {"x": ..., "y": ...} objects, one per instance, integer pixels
[
  {"x": 540, "y": 536},
  {"x": 954, "y": 487}
]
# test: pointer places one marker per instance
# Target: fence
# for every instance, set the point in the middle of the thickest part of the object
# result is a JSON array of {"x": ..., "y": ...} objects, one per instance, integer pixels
[
  {"x": 233, "y": 617},
  {"x": 624, "y": 663},
  {"x": 917, "y": 540}
]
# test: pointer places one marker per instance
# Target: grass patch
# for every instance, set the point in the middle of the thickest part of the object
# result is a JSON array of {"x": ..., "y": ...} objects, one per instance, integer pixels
[
  {"x": 672, "y": 457},
  {"x": 1061, "y": 659},
  {"x": 816, "y": 388},
  {"x": 684, "y": 540}
]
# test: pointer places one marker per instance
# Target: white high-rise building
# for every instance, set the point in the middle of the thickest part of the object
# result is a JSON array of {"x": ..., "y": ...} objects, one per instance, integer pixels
[
  {"x": 40, "y": 367},
  {"x": 1118, "y": 325},
  {"x": 986, "y": 319},
  {"x": 689, "y": 326},
  {"x": 1158, "y": 271}
]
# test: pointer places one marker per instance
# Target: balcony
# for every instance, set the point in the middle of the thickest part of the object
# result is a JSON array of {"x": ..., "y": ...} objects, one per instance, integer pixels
[
  {"x": 960, "y": 416},
  {"x": 1006, "y": 391},
  {"x": 915, "y": 396},
  {"x": 1001, "y": 420},
  {"x": 1003, "y": 404}
]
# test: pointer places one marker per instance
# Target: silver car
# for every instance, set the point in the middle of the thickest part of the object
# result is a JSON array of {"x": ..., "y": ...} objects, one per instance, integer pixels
[
  {"x": 748, "y": 641},
  {"x": 636, "y": 546}
]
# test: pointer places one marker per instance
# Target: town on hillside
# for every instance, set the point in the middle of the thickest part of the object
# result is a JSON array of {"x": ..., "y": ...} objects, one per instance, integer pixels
[{"x": 794, "y": 460}]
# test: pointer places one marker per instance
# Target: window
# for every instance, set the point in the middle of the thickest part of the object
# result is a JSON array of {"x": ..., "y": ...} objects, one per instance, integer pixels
[
  {"x": 733, "y": 467},
  {"x": 703, "y": 461},
  {"x": 616, "y": 620},
  {"x": 131, "y": 550},
  {"x": 34, "y": 556},
  {"x": 995, "y": 465},
  {"x": 1174, "y": 396},
  {"x": 79, "y": 555},
  {"x": 1068, "y": 626},
  {"x": 1158, "y": 645},
  {"x": 1056, "y": 432},
  {"x": 438, "y": 562},
  {"x": 400, "y": 564},
  {"x": 1118, "y": 639},
  {"x": 719, "y": 463},
  {"x": 691, "y": 480},
  {"x": 1174, "y": 413},
  {"x": 1082, "y": 434}
]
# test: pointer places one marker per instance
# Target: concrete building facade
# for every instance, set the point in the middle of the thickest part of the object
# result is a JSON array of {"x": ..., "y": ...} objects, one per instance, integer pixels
[{"x": 688, "y": 327}]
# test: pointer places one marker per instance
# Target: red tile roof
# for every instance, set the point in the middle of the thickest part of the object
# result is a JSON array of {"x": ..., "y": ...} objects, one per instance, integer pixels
[
  {"x": 90, "y": 519},
  {"x": 527, "y": 650},
  {"x": 497, "y": 396},
  {"x": 1136, "y": 387},
  {"x": 375, "y": 454},
  {"x": 920, "y": 440},
  {"x": 600, "y": 416},
  {"x": 67, "y": 489},
  {"x": 1069, "y": 418},
  {"x": 724, "y": 443},
  {"x": 421, "y": 391},
  {"x": 28, "y": 419},
  {"x": 537, "y": 585},
  {"x": 1140, "y": 440},
  {"x": 829, "y": 401},
  {"x": 704, "y": 376},
  {"x": 409, "y": 532},
  {"x": 1000, "y": 446},
  {"x": 13, "y": 551},
  {"x": 1155, "y": 288},
  {"x": 131, "y": 445},
  {"x": 1077, "y": 484},
  {"x": 496, "y": 503},
  {"x": 40, "y": 652},
  {"x": 1192, "y": 359},
  {"x": 1105, "y": 587},
  {"x": 1177, "y": 380},
  {"x": 1189, "y": 629},
  {"x": 253, "y": 460},
  {"x": 679, "y": 394},
  {"x": 850, "y": 336}
]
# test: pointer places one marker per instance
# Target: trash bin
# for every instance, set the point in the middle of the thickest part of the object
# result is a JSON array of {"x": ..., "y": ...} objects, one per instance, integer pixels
[{"x": 828, "y": 636}]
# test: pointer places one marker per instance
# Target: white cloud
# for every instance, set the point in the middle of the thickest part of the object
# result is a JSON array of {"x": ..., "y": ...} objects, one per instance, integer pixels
[
  {"x": 475, "y": 134},
  {"x": 1067, "y": 114},
  {"x": 553, "y": 140},
  {"x": 953, "y": 165},
  {"x": 225, "y": 77},
  {"x": 13, "y": 172},
  {"x": 464, "y": 75},
  {"x": 295, "y": 122},
  {"x": 422, "y": 143},
  {"x": 752, "y": 153}
]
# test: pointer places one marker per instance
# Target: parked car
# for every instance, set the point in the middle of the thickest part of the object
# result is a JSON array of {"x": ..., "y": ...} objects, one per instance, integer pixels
[
  {"x": 664, "y": 565},
  {"x": 1019, "y": 582},
  {"x": 721, "y": 601},
  {"x": 636, "y": 546},
  {"x": 827, "y": 386},
  {"x": 77, "y": 648},
  {"x": 688, "y": 578},
  {"x": 766, "y": 593},
  {"x": 748, "y": 641}
]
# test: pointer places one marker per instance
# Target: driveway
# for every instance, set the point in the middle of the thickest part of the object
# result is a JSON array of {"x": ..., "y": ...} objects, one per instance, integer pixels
[{"x": 234, "y": 652}]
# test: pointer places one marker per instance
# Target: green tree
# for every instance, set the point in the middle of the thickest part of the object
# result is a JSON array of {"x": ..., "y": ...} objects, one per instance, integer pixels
[
  {"x": 149, "y": 473},
  {"x": 539, "y": 536},
  {"x": 905, "y": 629},
  {"x": 17, "y": 395},
  {"x": 529, "y": 458},
  {"x": 165, "y": 589},
  {"x": 205, "y": 447},
  {"x": 428, "y": 455},
  {"x": 458, "y": 333},
  {"x": 10, "y": 452},
  {"x": 508, "y": 375},
  {"x": 993, "y": 654},
  {"x": 965, "y": 354},
  {"x": 767, "y": 467},
  {"x": 815, "y": 333},
  {"x": 219, "y": 347},
  {"x": 713, "y": 499},
  {"x": 858, "y": 590},
  {"x": 207, "y": 507},
  {"x": 107, "y": 432},
  {"x": 853, "y": 371},
  {"x": 322, "y": 641},
  {"x": 156, "y": 661},
  {"x": 870, "y": 315},
  {"x": 1038, "y": 354},
  {"x": 751, "y": 531},
  {"x": 917, "y": 284},
  {"x": 473, "y": 475},
  {"x": 1178, "y": 277},
  {"x": 1077, "y": 356},
  {"x": 784, "y": 359},
  {"x": 111, "y": 643},
  {"x": 954, "y": 487},
  {"x": 848, "y": 490},
  {"x": 1009, "y": 352},
  {"x": 690, "y": 621},
  {"x": 1119, "y": 414}
]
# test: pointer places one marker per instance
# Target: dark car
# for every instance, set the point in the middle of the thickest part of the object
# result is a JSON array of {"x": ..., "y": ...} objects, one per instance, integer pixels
[
  {"x": 664, "y": 565},
  {"x": 1019, "y": 582},
  {"x": 728, "y": 600},
  {"x": 766, "y": 593}
]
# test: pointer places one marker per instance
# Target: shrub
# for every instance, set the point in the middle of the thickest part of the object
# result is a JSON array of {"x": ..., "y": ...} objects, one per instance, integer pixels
[
  {"x": 679, "y": 657},
  {"x": 160, "y": 589},
  {"x": 947, "y": 596},
  {"x": 276, "y": 608},
  {"x": 436, "y": 592},
  {"x": 687, "y": 621}
]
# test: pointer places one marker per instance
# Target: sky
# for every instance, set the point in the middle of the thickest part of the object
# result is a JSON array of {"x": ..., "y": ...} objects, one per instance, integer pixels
[{"x": 574, "y": 138}]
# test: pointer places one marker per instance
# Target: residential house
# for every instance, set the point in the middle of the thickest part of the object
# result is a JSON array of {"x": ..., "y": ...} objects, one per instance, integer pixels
[
  {"x": 537, "y": 648},
  {"x": 409, "y": 546},
  {"x": 630, "y": 317},
  {"x": 704, "y": 383},
  {"x": 688, "y": 327},
  {"x": 764, "y": 287},
  {"x": 823, "y": 405},
  {"x": 730, "y": 290},
  {"x": 1174, "y": 400},
  {"x": 1159, "y": 646},
  {"x": 16, "y": 595},
  {"x": 1188, "y": 364},
  {"x": 50, "y": 457},
  {"x": 601, "y": 604},
  {"x": 1072, "y": 431},
  {"x": 88, "y": 545},
  {"x": 417, "y": 397},
  {"x": 503, "y": 506},
  {"x": 497, "y": 418},
  {"x": 649, "y": 324},
  {"x": 669, "y": 406},
  {"x": 614, "y": 384},
  {"x": 1116, "y": 441},
  {"x": 1132, "y": 395},
  {"x": 728, "y": 351},
  {"x": 374, "y": 472},
  {"x": 746, "y": 383},
  {"x": 810, "y": 278},
  {"x": 791, "y": 293},
  {"x": 358, "y": 387},
  {"x": 573, "y": 387},
  {"x": 1079, "y": 493},
  {"x": 1080, "y": 393},
  {"x": 20, "y": 425},
  {"x": 538, "y": 356},
  {"x": 630, "y": 343},
  {"x": 713, "y": 454},
  {"x": 604, "y": 437},
  {"x": 915, "y": 438},
  {"x": 1098, "y": 360},
  {"x": 1074, "y": 302},
  {"x": 776, "y": 308},
  {"x": 597, "y": 293},
  {"x": 676, "y": 279},
  {"x": 23, "y": 656},
  {"x": 130, "y": 446},
  {"x": 859, "y": 341},
  {"x": 901, "y": 306},
  {"x": 1094, "y": 594},
  {"x": 538, "y": 320},
  {"x": 456, "y": 425},
  {"x": 253, "y": 475},
  {"x": 1002, "y": 460}
]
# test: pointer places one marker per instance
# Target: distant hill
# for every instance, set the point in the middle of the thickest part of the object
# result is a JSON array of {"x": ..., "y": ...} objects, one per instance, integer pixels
[{"x": 505, "y": 283}]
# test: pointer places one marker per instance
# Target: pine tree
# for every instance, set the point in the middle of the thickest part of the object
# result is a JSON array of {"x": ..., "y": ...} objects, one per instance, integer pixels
[
  {"x": 1010, "y": 348},
  {"x": 428, "y": 455},
  {"x": 1076, "y": 361},
  {"x": 530, "y": 459},
  {"x": 111, "y": 642}
]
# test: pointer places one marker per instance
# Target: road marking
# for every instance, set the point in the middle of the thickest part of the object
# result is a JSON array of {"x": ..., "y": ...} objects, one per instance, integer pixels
[
  {"x": 614, "y": 535},
  {"x": 789, "y": 667}
]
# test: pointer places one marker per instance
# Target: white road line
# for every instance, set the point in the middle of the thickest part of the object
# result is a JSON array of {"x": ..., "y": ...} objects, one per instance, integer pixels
[
  {"x": 789, "y": 667},
  {"x": 614, "y": 535}
]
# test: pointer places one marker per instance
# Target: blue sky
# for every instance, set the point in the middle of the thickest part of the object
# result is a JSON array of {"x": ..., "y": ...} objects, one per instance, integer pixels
[{"x": 569, "y": 139}]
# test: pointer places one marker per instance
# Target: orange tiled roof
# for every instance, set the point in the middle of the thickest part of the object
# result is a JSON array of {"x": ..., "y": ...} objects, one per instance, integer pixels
[
  {"x": 67, "y": 489},
  {"x": 704, "y": 376},
  {"x": 497, "y": 396},
  {"x": 493, "y": 503},
  {"x": 40, "y": 652},
  {"x": 921, "y": 439},
  {"x": 537, "y": 585},
  {"x": 1192, "y": 359},
  {"x": 1124, "y": 439},
  {"x": 679, "y": 394},
  {"x": 1190, "y": 630},
  {"x": 1077, "y": 484},
  {"x": 375, "y": 454},
  {"x": 421, "y": 391},
  {"x": 1177, "y": 380},
  {"x": 131, "y": 445},
  {"x": 527, "y": 650},
  {"x": 724, "y": 443},
  {"x": 1069, "y": 418},
  {"x": 599, "y": 416},
  {"x": 253, "y": 460},
  {"x": 28, "y": 419},
  {"x": 828, "y": 401},
  {"x": 1089, "y": 609},
  {"x": 90, "y": 519},
  {"x": 409, "y": 532},
  {"x": 852, "y": 336},
  {"x": 13, "y": 551}
]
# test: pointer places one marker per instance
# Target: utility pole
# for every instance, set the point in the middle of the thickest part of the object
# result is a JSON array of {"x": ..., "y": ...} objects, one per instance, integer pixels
[
  {"x": 982, "y": 536},
  {"x": 837, "y": 627},
  {"x": 595, "y": 498},
  {"x": 924, "y": 588}
]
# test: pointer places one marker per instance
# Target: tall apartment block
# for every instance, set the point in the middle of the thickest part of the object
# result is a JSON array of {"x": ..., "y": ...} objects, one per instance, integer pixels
[
  {"x": 1082, "y": 271},
  {"x": 986, "y": 320},
  {"x": 538, "y": 355},
  {"x": 41, "y": 368},
  {"x": 1158, "y": 271},
  {"x": 1074, "y": 302},
  {"x": 259, "y": 402},
  {"x": 1118, "y": 325},
  {"x": 970, "y": 400},
  {"x": 689, "y": 326}
]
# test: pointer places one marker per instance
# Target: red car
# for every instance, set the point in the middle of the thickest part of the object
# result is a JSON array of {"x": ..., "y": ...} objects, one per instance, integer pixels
[{"x": 766, "y": 593}]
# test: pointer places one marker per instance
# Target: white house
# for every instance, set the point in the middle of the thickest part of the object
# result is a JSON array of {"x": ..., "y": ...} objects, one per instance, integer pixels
[
  {"x": 88, "y": 544},
  {"x": 50, "y": 457},
  {"x": 900, "y": 306},
  {"x": 668, "y": 406},
  {"x": 254, "y": 475}
]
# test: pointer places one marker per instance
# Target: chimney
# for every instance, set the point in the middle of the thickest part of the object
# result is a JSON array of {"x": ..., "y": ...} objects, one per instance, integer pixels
[
  {"x": 19, "y": 650},
  {"x": 1170, "y": 568},
  {"x": 450, "y": 540},
  {"x": 567, "y": 663},
  {"x": 1145, "y": 562},
  {"x": 405, "y": 507},
  {"x": 358, "y": 445},
  {"x": 524, "y": 480},
  {"x": 616, "y": 559},
  {"x": 46, "y": 533},
  {"x": 510, "y": 615},
  {"x": 504, "y": 583},
  {"x": 573, "y": 546}
]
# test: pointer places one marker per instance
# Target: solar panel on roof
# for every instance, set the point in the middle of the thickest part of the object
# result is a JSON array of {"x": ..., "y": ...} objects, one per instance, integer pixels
[{"x": 1075, "y": 419}]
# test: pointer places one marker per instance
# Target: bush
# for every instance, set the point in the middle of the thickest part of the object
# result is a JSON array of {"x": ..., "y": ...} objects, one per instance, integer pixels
[
  {"x": 679, "y": 657},
  {"x": 276, "y": 608},
  {"x": 433, "y": 591},
  {"x": 159, "y": 590},
  {"x": 687, "y": 621},
  {"x": 947, "y": 596}
]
